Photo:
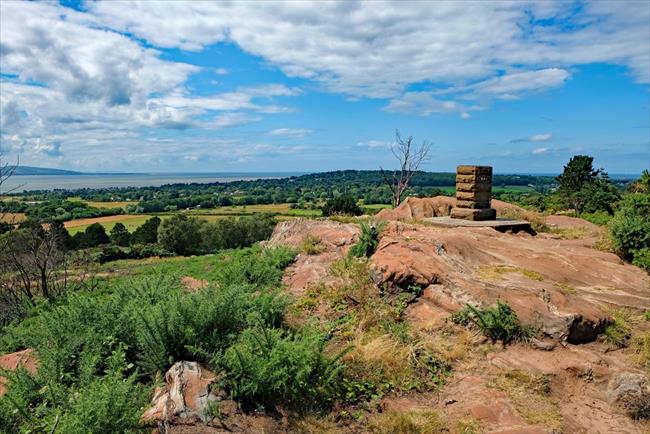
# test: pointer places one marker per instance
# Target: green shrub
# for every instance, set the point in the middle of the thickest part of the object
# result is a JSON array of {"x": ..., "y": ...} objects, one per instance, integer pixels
[
  {"x": 236, "y": 232},
  {"x": 630, "y": 227},
  {"x": 181, "y": 234},
  {"x": 344, "y": 204},
  {"x": 600, "y": 218},
  {"x": 368, "y": 240},
  {"x": 98, "y": 351},
  {"x": 499, "y": 323},
  {"x": 642, "y": 258},
  {"x": 94, "y": 235},
  {"x": 268, "y": 366},
  {"x": 619, "y": 331}
]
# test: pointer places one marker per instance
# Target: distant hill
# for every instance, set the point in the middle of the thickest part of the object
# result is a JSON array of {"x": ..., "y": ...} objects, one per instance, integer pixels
[{"x": 29, "y": 170}]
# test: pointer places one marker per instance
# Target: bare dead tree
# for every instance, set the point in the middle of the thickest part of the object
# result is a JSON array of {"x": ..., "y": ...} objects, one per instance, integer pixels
[
  {"x": 410, "y": 157},
  {"x": 34, "y": 265},
  {"x": 6, "y": 172}
]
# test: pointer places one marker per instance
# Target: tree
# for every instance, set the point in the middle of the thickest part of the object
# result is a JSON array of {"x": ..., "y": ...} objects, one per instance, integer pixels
[
  {"x": 62, "y": 235},
  {"x": 147, "y": 233},
  {"x": 181, "y": 234},
  {"x": 120, "y": 236},
  {"x": 344, "y": 204},
  {"x": 642, "y": 185},
  {"x": 409, "y": 158},
  {"x": 584, "y": 188},
  {"x": 94, "y": 235},
  {"x": 6, "y": 172},
  {"x": 30, "y": 261}
]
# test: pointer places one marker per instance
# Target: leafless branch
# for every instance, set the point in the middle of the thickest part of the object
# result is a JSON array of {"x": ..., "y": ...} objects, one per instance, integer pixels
[{"x": 410, "y": 158}]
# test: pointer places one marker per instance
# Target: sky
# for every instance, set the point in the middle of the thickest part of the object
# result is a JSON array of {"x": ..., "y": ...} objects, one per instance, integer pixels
[{"x": 302, "y": 86}]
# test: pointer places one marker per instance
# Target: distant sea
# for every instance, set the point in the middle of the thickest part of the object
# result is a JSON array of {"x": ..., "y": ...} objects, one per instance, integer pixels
[{"x": 73, "y": 182}]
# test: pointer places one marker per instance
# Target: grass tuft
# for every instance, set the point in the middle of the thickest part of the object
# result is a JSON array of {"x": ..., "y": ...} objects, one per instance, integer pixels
[{"x": 499, "y": 323}]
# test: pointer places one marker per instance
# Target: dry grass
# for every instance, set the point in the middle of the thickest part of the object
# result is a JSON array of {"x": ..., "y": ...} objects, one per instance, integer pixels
[
  {"x": 314, "y": 425},
  {"x": 311, "y": 245},
  {"x": 498, "y": 272},
  {"x": 535, "y": 219},
  {"x": 12, "y": 217},
  {"x": 468, "y": 425},
  {"x": 640, "y": 346},
  {"x": 565, "y": 287},
  {"x": 576, "y": 233},
  {"x": 529, "y": 393},
  {"x": 407, "y": 422}
]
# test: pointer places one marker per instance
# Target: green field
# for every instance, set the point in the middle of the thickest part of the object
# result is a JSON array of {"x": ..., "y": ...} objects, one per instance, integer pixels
[{"x": 130, "y": 221}]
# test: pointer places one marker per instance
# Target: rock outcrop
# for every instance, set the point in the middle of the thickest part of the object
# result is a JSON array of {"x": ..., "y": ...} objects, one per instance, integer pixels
[
  {"x": 308, "y": 270},
  {"x": 559, "y": 287},
  {"x": 631, "y": 392},
  {"x": 414, "y": 208},
  {"x": 186, "y": 395}
]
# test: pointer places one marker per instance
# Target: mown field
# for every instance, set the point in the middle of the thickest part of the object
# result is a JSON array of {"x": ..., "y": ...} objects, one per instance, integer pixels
[{"x": 12, "y": 217}]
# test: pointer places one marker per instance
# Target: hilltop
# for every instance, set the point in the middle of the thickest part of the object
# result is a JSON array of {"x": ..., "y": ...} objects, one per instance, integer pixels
[{"x": 30, "y": 170}]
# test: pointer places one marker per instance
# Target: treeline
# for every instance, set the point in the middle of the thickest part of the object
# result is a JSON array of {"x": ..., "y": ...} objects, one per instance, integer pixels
[
  {"x": 56, "y": 209},
  {"x": 303, "y": 191}
]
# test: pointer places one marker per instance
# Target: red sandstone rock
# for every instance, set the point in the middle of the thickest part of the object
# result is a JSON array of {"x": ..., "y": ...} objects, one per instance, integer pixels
[
  {"x": 25, "y": 359},
  {"x": 414, "y": 208}
]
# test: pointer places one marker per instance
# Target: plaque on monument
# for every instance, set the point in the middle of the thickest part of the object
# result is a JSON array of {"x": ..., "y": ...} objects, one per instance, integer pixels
[{"x": 473, "y": 193}]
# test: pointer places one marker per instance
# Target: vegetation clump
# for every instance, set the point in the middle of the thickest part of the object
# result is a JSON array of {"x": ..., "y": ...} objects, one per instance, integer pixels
[
  {"x": 630, "y": 229},
  {"x": 499, "y": 323},
  {"x": 344, "y": 204},
  {"x": 99, "y": 352},
  {"x": 312, "y": 245},
  {"x": 368, "y": 239}
]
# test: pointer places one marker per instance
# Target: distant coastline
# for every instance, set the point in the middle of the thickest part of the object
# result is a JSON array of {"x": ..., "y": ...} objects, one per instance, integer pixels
[{"x": 27, "y": 178}]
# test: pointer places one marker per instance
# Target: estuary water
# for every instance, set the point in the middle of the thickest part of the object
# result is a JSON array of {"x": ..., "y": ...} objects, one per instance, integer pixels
[{"x": 73, "y": 182}]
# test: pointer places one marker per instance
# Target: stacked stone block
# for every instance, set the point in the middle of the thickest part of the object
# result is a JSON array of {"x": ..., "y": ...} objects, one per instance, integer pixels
[{"x": 473, "y": 193}]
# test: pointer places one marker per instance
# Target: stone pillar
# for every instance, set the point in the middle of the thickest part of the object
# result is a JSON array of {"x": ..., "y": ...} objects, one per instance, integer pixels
[{"x": 473, "y": 193}]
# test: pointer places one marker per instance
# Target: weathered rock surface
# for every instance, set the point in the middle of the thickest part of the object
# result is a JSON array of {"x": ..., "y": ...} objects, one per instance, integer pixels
[
  {"x": 631, "y": 392},
  {"x": 564, "y": 287},
  {"x": 20, "y": 359},
  {"x": 186, "y": 395},
  {"x": 560, "y": 287},
  {"x": 308, "y": 270},
  {"x": 414, "y": 208}
]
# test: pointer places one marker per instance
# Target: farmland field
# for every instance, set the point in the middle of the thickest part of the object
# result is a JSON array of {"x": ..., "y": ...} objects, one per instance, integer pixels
[
  {"x": 12, "y": 217},
  {"x": 130, "y": 221}
]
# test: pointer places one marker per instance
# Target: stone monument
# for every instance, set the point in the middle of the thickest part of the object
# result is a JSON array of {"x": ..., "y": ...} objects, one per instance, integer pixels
[{"x": 473, "y": 193}]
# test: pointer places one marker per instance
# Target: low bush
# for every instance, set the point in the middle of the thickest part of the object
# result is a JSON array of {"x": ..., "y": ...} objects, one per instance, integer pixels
[
  {"x": 344, "y": 204},
  {"x": 630, "y": 228},
  {"x": 99, "y": 352},
  {"x": 499, "y": 323},
  {"x": 311, "y": 245},
  {"x": 268, "y": 365},
  {"x": 137, "y": 251},
  {"x": 368, "y": 240}
]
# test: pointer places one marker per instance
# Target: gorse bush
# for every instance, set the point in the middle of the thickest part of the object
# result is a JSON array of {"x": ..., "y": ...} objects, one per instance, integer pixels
[
  {"x": 630, "y": 229},
  {"x": 368, "y": 240},
  {"x": 499, "y": 323},
  {"x": 267, "y": 364},
  {"x": 99, "y": 351}
]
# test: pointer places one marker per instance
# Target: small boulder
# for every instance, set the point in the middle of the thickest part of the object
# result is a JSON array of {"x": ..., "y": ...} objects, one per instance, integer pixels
[
  {"x": 186, "y": 395},
  {"x": 631, "y": 392}
]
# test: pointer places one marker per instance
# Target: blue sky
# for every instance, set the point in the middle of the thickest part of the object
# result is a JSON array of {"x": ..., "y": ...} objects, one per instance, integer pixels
[{"x": 300, "y": 86}]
